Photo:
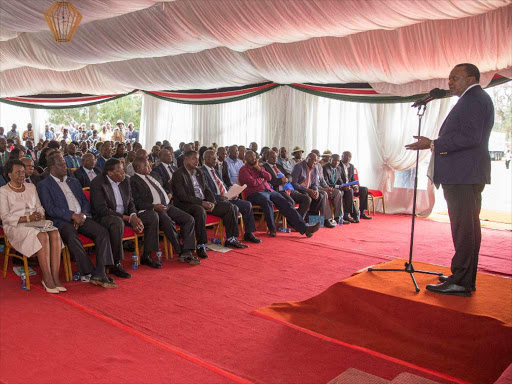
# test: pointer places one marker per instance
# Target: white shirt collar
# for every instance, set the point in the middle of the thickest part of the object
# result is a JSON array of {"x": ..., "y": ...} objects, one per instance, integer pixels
[
  {"x": 468, "y": 88},
  {"x": 58, "y": 180},
  {"x": 112, "y": 181}
]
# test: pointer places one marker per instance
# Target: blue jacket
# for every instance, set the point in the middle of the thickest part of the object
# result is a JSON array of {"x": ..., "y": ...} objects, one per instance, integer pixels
[
  {"x": 461, "y": 153},
  {"x": 55, "y": 203},
  {"x": 69, "y": 161}
]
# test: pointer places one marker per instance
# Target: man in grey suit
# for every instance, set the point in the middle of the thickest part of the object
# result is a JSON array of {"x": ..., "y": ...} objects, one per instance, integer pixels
[{"x": 462, "y": 165}]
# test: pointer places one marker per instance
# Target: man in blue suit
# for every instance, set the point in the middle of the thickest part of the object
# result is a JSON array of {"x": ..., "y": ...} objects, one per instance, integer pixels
[
  {"x": 66, "y": 205},
  {"x": 132, "y": 135},
  {"x": 462, "y": 165},
  {"x": 72, "y": 161},
  {"x": 219, "y": 189}
]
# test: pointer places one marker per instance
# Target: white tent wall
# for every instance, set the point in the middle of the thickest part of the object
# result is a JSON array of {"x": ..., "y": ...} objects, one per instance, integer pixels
[{"x": 375, "y": 133}]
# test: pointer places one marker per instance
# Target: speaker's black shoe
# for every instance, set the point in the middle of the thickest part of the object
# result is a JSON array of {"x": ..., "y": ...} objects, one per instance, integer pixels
[{"x": 448, "y": 288}]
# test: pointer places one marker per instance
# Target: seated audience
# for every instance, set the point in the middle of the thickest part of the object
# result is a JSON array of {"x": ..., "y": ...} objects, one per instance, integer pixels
[
  {"x": 113, "y": 207},
  {"x": 70, "y": 211},
  {"x": 155, "y": 151},
  {"x": 305, "y": 180},
  {"x": 259, "y": 192},
  {"x": 179, "y": 159},
  {"x": 141, "y": 153},
  {"x": 19, "y": 205},
  {"x": 120, "y": 151},
  {"x": 347, "y": 176},
  {"x": 191, "y": 194},
  {"x": 332, "y": 176},
  {"x": 29, "y": 149},
  {"x": 241, "y": 152},
  {"x": 234, "y": 164},
  {"x": 148, "y": 194},
  {"x": 87, "y": 171},
  {"x": 72, "y": 160},
  {"x": 30, "y": 176},
  {"x": 165, "y": 170},
  {"x": 254, "y": 147},
  {"x": 326, "y": 157},
  {"x": 4, "y": 154},
  {"x": 220, "y": 189},
  {"x": 277, "y": 183}
]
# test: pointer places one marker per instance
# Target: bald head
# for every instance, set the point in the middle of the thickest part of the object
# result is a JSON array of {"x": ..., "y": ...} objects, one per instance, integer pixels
[{"x": 29, "y": 166}]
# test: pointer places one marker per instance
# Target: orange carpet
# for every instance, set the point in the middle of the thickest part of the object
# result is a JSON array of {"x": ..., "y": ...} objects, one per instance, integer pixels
[{"x": 466, "y": 338}]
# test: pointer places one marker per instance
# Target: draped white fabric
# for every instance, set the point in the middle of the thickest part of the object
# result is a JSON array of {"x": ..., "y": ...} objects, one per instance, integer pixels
[
  {"x": 203, "y": 44},
  {"x": 375, "y": 133}
]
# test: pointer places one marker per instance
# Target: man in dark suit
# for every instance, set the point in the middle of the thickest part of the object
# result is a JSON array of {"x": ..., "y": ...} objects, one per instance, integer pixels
[
  {"x": 222, "y": 166},
  {"x": 180, "y": 158},
  {"x": 148, "y": 194},
  {"x": 220, "y": 189},
  {"x": 66, "y": 205},
  {"x": 305, "y": 180},
  {"x": 165, "y": 169},
  {"x": 30, "y": 176},
  {"x": 462, "y": 165},
  {"x": 332, "y": 176},
  {"x": 113, "y": 207},
  {"x": 347, "y": 176},
  {"x": 87, "y": 171},
  {"x": 131, "y": 134},
  {"x": 191, "y": 194},
  {"x": 106, "y": 153},
  {"x": 295, "y": 197},
  {"x": 72, "y": 161}
]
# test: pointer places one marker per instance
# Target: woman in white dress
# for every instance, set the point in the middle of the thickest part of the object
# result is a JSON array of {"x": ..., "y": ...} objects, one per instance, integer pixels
[{"x": 19, "y": 205}]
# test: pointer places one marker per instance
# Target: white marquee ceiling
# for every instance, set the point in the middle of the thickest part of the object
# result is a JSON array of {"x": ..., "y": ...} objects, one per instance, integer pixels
[{"x": 400, "y": 46}]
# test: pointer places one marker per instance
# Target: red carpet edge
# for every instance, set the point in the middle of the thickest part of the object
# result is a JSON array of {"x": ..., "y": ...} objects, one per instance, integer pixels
[
  {"x": 364, "y": 350},
  {"x": 147, "y": 338}
]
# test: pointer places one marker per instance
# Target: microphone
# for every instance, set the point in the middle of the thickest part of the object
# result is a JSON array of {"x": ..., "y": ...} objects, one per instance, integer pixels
[{"x": 436, "y": 93}]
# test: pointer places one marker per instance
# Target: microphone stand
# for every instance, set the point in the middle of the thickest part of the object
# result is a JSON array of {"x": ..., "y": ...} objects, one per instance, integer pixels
[{"x": 409, "y": 268}]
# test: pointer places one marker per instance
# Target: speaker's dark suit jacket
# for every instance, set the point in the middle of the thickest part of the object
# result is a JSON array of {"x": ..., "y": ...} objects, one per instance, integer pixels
[
  {"x": 183, "y": 189},
  {"x": 104, "y": 201},
  {"x": 55, "y": 203},
  {"x": 81, "y": 175},
  {"x": 461, "y": 153},
  {"x": 164, "y": 175}
]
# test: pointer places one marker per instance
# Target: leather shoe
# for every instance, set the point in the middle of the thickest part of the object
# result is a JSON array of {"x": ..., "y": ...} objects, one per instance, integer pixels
[
  {"x": 103, "y": 282},
  {"x": 310, "y": 229},
  {"x": 235, "y": 244},
  {"x": 349, "y": 219},
  {"x": 187, "y": 257},
  {"x": 201, "y": 252},
  {"x": 118, "y": 270},
  {"x": 329, "y": 223},
  {"x": 448, "y": 288},
  {"x": 365, "y": 216},
  {"x": 147, "y": 260},
  {"x": 272, "y": 234},
  {"x": 443, "y": 279},
  {"x": 346, "y": 222},
  {"x": 251, "y": 238}
]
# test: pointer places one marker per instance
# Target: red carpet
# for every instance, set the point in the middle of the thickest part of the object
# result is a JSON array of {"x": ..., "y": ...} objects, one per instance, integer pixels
[
  {"x": 380, "y": 311},
  {"x": 189, "y": 324}
]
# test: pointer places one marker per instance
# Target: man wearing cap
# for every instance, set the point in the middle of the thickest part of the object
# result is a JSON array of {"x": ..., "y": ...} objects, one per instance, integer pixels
[
  {"x": 326, "y": 157},
  {"x": 297, "y": 155},
  {"x": 118, "y": 134},
  {"x": 132, "y": 135}
]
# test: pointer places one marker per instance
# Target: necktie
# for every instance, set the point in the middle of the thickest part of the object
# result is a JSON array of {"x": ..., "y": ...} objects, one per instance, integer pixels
[
  {"x": 75, "y": 162},
  {"x": 222, "y": 190},
  {"x": 92, "y": 175},
  {"x": 170, "y": 170},
  {"x": 160, "y": 193},
  {"x": 333, "y": 176}
]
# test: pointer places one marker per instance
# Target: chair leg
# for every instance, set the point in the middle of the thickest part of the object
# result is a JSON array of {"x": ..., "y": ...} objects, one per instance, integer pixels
[
  {"x": 242, "y": 228},
  {"x": 383, "y": 206},
  {"x": 220, "y": 228},
  {"x": 65, "y": 264},
  {"x": 70, "y": 268},
  {"x": 166, "y": 248},
  {"x": 137, "y": 249},
  {"x": 27, "y": 275},
  {"x": 6, "y": 259}
]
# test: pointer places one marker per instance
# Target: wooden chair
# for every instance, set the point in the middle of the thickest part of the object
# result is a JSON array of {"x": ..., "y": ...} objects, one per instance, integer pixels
[
  {"x": 373, "y": 195},
  {"x": 9, "y": 251}
]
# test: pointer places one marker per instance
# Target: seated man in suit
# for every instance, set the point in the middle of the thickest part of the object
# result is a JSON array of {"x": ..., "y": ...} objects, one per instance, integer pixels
[
  {"x": 277, "y": 183},
  {"x": 191, "y": 194},
  {"x": 165, "y": 169},
  {"x": 332, "y": 176},
  {"x": 305, "y": 180},
  {"x": 180, "y": 158},
  {"x": 106, "y": 153},
  {"x": 72, "y": 161},
  {"x": 66, "y": 205},
  {"x": 334, "y": 195},
  {"x": 222, "y": 166},
  {"x": 87, "y": 171},
  {"x": 220, "y": 189},
  {"x": 30, "y": 176},
  {"x": 148, "y": 194},
  {"x": 259, "y": 192},
  {"x": 113, "y": 207},
  {"x": 234, "y": 164},
  {"x": 347, "y": 176}
]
